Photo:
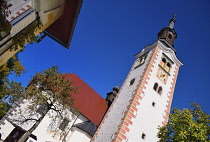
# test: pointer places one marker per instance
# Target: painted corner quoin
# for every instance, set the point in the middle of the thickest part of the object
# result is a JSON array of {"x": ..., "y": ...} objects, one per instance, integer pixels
[{"x": 137, "y": 96}]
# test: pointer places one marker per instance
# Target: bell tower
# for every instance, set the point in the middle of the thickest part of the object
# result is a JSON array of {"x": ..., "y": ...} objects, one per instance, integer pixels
[{"x": 144, "y": 100}]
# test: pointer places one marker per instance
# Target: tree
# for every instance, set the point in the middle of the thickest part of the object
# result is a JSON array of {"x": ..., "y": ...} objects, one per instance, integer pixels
[
  {"x": 27, "y": 35},
  {"x": 51, "y": 91},
  {"x": 9, "y": 90},
  {"x": 188, "y": 125},
  {"x": 13, "y": 65},
  {"x": 4, "y": 12}
]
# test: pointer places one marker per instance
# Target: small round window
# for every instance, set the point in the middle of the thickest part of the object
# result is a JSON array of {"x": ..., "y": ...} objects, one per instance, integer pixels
[{"x": 132, "y": 81}]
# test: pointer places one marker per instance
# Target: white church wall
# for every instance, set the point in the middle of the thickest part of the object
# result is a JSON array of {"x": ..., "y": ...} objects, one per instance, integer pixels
[
  {"x": 78, "y": 135},
  {"x": 48, "y": 129},
  {"x": 146, "y": 109},
  {"x": 5, "y": 128},
  {"x": 5, "y": 123},
  {"x": 118, "y": 108}
]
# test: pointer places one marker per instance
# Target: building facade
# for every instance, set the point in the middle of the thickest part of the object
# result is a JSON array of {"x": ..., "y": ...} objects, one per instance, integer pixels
[
  {"x": 49, "y": 13},
  {"x": 144, "y": 100}
]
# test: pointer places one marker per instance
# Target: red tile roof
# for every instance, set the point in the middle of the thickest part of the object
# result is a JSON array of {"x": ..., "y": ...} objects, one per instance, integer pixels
[{"x": 88, "y": 101}]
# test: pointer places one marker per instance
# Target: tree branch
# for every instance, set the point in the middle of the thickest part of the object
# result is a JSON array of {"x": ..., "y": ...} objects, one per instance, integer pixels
[
  {"x": 28, "y": 120},
  {"x": 56, "y": 110}
]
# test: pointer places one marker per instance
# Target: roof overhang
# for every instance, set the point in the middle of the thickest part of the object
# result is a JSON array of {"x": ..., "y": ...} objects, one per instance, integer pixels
[{"x": 62, "y": 29}]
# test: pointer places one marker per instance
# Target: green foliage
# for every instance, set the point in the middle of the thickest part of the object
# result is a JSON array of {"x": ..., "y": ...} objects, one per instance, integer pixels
[
  {"x": 26, "y": 35},
  {"x": 5, "y": 25},
  {"x": 13, "y": 65},
  {"x": 7, "y": 89},
  {"x": 49, "y": 87},
  {"x": 188, "y": 125},
  {"x": 52, "y": 90},
  {"x": 10, "y": 91},
  {"x": 4, "y": 107}
]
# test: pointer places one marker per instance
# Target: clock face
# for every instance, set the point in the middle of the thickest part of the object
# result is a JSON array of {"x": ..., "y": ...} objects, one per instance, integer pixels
[{"x": 162, "y": 75}]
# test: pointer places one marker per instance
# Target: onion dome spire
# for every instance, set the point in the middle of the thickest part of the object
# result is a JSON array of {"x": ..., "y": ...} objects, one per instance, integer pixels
[
  {"x": 172, "y": 21},
  {"x": 167, "y": 35}
]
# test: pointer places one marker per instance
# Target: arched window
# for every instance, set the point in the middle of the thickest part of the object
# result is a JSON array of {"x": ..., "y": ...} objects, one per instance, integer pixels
[
  {"x": 160, "y": 90},
  {"x": 169, "y": 36},
  {"x": 132, "y": 81},
  {"x": 168, "y": 66},
  {"x": 166, "y": 63},
  {"x": 143, "y": 59},
  {"x": 42, "y": 109},
  {"x": 143, "y": 136},
  {"x": 163, "y": 62},
  {"x": 155, "y": 86}
]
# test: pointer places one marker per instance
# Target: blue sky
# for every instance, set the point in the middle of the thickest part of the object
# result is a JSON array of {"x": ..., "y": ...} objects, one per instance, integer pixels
[{"x": 110, "y": 32}]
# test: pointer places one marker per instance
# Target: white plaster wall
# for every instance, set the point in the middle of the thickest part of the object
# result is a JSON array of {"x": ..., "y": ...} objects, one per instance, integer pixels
[
  {"x": 43, "y": 132},
  {"x": 79, "y": 136},
  {"x": 5, "y": 128},
  {"x": 110, "y": 126},
  {"x": 148, "y": 117}
]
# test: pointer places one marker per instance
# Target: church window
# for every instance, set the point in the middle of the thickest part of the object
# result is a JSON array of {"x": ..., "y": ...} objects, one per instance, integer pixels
[
  {"x": 143, "y": 136},
  {"x": 155, "y": 86},
  {"x": 132, "y": 81},
  {"x": 140, "y": 61},
  {"x": 160, "y": 90},
  {"x": 64, "y": 124},
  {"x": 170, "y": 36},
  {"x": 16, "y": 135},
  {"x": 153, "y": 104},
  {"x": 42, "y": 109},
  {"x": 166, "y": 64},
  {"x": 163, "y": 62}
]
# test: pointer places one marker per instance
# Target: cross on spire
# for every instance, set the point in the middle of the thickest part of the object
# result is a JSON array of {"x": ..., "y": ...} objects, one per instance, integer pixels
[{"x": 172, "y": 21}]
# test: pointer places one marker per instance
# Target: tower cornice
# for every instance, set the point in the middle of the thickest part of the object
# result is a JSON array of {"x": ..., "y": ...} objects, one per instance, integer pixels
[
  {"x": 170, "y": 51},
  {"x": 165, "y": 48}
]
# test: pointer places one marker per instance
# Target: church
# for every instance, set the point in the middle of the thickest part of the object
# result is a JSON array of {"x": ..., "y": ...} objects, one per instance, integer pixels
[{"x": 129, "y": 114}]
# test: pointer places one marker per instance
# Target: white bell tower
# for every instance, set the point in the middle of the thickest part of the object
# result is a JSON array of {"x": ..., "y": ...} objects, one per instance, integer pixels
[{"x": 144, "y": 100}]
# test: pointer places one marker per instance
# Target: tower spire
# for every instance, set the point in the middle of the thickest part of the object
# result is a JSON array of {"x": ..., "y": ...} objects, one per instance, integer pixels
[
  {"x": 172, "y": 21},
  {"x": 167, "y": 35}
]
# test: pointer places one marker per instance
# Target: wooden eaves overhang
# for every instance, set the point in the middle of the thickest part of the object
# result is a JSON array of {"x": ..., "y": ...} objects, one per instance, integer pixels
[{"x": 62, "y": 29}]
